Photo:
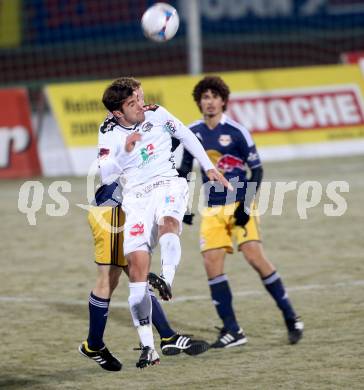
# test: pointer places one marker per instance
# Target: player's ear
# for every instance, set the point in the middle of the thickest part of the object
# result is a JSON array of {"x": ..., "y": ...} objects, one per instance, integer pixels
[
  {"x": 118, "y": 114},
  {"x": 224, "y": 107}
]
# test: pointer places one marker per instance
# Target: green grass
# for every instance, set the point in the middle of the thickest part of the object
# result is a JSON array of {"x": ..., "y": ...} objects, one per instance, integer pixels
[{"x": 47, "y": 272}]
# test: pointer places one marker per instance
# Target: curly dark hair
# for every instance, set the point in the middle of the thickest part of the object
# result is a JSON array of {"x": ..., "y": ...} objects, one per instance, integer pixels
[
  {"x": 216, "y": 84},
  {"x": 118, "y": 91}
]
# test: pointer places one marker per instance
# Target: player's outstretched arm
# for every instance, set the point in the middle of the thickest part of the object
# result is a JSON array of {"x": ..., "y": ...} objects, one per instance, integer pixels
[{"x": 194, "y": 147}]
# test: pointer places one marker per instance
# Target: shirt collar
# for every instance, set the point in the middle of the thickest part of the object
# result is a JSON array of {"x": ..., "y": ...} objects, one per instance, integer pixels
[
  {"x": 129, "y": 127},
  {"x": 111, "y": 116},
  {"x": 223, "y": 119}
]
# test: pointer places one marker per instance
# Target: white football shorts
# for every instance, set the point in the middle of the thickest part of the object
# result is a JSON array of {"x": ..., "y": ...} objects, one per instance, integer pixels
[{"x": 146, "y": 205}]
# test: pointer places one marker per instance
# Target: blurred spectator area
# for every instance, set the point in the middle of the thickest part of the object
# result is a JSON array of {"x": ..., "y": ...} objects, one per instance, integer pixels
[{"x": 63, "y": 40}]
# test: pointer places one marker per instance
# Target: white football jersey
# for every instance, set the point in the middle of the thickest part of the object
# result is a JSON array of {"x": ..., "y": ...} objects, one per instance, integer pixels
[{"x": 152, "y": 155}]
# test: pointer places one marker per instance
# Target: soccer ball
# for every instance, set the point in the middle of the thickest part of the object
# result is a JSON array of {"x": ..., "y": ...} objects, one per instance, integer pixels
[{"x": 160, "y": 22}]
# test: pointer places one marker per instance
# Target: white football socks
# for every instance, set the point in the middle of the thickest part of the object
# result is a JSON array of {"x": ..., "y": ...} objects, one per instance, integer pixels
[
  {"x": 170, "y": 255},
  {"x": 145, "y": 333},
  {"x": 140, "y": 305}
]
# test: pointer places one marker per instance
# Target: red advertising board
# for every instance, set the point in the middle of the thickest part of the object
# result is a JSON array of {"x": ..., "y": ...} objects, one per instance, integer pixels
[
  {"x": 18, "y": 147},
  {"x": 353, "y": 57}
]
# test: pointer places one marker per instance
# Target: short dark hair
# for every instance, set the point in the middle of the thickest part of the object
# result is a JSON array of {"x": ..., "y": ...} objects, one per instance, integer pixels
[
  {"x": 118, "y": 91},
  {"x": 216, "y": 84}
]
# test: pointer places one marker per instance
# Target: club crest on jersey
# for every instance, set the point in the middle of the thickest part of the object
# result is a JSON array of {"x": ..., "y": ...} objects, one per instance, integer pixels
[
  {"x": 147, "y": 127},
  {"x": 170, "y": 127},
  {"x": 225, "y": 139},
  {"x": 137, "y": 229}
]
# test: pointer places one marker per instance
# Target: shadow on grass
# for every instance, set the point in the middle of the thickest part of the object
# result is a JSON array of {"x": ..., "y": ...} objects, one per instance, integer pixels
[
  {"x": 10, "y": 382},
  {"x": 39, "y": 380}
]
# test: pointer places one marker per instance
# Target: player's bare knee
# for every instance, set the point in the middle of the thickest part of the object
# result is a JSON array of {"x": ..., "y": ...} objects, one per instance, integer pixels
[
  {"x": 208, "y": 261},
  {"x": 137, "y": 273},
  {"x": 253, "y": 262},
  {"x": 251, "y": 254},
  {"x": 138, "y": 266},
  {"x": 210, "y": 268},
  {"x": 102, "y": 290},
  {"x": 168, "y": 225},
  {"x": 254, "y": 255},
  {"x": 214, "y": 263},
  {"x": 106, "y": 283}
]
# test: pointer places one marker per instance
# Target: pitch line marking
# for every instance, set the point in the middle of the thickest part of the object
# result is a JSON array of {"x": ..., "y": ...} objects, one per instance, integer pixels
[{"x": 181, "y": 299}]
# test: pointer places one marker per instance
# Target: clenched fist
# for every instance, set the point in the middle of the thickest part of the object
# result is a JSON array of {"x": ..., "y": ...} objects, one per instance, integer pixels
[{"x": 131, "y": 139}]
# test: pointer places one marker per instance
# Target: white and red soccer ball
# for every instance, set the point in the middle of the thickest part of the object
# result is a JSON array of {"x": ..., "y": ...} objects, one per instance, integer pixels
[{"x": 160, "y": 22}]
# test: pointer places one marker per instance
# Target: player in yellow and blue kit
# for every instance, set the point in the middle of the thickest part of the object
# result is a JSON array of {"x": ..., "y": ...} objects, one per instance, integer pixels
[{"x": 226, "y": 217}]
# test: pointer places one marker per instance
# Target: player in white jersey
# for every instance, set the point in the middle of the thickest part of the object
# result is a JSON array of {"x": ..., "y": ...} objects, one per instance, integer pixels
[{"x": 136, "y": 145}]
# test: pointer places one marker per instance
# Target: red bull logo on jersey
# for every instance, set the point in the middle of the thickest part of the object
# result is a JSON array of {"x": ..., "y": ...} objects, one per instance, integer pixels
[
  {"x": 137, "y": 229},
  {"x": 228, "y": 163}
]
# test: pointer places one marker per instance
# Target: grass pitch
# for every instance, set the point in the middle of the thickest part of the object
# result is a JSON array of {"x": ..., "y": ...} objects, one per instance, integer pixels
[{"x": 47, "y": 272}]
